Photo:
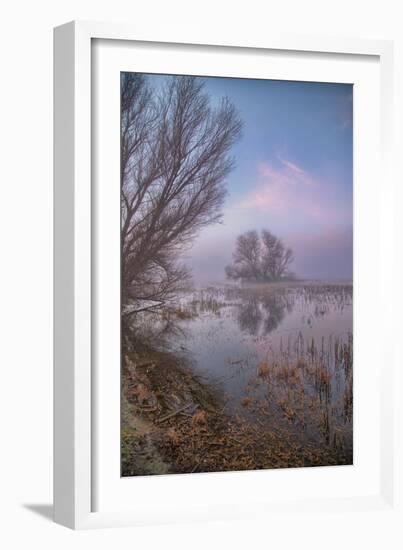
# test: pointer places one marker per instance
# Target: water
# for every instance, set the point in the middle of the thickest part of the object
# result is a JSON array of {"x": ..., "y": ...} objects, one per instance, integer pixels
[{"x": 280, "y": 355}]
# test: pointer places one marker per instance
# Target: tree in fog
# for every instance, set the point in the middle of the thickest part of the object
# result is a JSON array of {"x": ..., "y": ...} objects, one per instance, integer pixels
[
  {"x": 260, "y": 258},
  {"x": 275, "y": 258},
  {"x": 174, "y": 162},
  {"x": 247, "y": 257}
]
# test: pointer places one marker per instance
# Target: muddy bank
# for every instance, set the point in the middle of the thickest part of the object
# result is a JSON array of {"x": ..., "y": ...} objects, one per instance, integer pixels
[
  {"x": 174, "y": 423},
  {"x": 157, "y": 391}
]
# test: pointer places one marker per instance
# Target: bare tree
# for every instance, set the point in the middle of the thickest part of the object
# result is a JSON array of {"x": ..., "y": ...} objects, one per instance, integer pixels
[
  {"x": 276, "y": 258},
  {"x": 246, "y": 257},
  {"x": 174, "y": 162},
  {"x": 260, "y": 259}
]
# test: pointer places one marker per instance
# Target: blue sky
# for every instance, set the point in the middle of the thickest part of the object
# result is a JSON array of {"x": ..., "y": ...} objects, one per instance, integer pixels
[{"x": 293, "y": 176}]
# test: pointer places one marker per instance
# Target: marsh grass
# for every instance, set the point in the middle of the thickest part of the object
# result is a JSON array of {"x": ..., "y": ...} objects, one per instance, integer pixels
[
  {"x": 293, "y": 404},
  {"x": 307, "y": 389}
]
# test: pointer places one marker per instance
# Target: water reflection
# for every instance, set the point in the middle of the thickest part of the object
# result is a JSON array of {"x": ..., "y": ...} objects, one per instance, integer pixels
[
  {"x": 259, "y": 316},
  {"x": 282, "y": 356}
]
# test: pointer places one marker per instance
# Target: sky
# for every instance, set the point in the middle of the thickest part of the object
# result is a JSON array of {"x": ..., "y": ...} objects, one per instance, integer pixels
[{"x": 293, "y": 175}]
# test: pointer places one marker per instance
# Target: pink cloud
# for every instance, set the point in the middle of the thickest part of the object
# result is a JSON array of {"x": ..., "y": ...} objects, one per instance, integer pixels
[{"x": 285, "y": 188}]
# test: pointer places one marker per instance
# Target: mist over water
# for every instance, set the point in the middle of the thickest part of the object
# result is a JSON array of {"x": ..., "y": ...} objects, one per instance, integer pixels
[{"x": 325, "y": 257}]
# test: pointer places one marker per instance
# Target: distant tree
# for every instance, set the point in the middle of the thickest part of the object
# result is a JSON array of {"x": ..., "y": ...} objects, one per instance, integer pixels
[
  {"x": 263, "y": 258},
  {"x": 275, "y": 258},
  {"x": 246, "y": 257},
  {"x": 174, "y": 161}
]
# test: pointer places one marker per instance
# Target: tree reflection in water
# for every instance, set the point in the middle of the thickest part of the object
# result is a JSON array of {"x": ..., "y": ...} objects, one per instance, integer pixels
[{"x": 261, "y": 315}]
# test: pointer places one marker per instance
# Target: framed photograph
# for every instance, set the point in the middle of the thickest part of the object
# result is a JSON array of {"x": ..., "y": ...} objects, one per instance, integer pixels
[{"x": 223, "y": 244}]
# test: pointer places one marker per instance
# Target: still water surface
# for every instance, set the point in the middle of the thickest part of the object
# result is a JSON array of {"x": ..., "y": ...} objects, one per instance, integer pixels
[{"x": 281, "y": 355}]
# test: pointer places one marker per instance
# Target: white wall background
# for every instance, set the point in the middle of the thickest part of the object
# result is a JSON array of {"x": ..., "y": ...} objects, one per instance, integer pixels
[{"x": 26, "y": 267}]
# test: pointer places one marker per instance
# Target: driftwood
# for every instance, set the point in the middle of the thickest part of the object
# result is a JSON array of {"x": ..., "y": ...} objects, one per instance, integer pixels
[{"x": 172, "y": 414}]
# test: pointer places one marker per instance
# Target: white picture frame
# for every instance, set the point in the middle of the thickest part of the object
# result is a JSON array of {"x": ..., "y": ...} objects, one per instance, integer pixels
[{"x": 77, "y": 471}]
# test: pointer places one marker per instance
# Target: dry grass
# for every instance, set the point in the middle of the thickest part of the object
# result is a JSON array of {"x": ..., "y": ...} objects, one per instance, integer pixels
[
  {"x": 173, "y": 437},
  {"x": 199, "y": 418},
  {"x": 246, "y": 402},
  {"x": 296, "y": 411},
  {"x": 263, "y": 370}
]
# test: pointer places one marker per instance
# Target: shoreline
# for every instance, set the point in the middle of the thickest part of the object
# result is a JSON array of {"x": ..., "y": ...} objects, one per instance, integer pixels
[{"x": 193, "y": 433}]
